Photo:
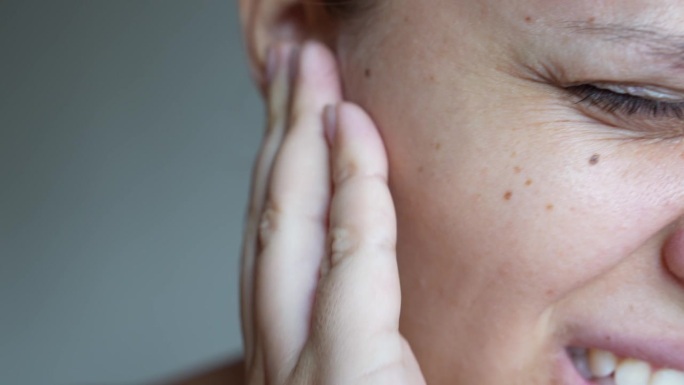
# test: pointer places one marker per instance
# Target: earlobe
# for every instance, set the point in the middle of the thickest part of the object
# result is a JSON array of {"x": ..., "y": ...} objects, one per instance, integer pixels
[{"x": 265, "y": 22}]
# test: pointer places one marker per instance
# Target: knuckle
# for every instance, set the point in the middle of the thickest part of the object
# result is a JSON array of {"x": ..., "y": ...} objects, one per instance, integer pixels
[
  {"x": 345, "y": 171},
  {"x": 268, "y": 224},
  {"x": 343, "y": 243}
]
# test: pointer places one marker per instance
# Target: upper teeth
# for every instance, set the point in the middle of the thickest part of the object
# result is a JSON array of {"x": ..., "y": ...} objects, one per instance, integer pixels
[{"x": 600, "y": 364}]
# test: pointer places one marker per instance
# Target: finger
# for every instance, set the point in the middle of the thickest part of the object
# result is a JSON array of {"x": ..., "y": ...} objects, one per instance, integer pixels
[
  {"x": 280, "y": 68},
  {"x": 295, "y": 219},
  {"x": 358, "y": 303}
]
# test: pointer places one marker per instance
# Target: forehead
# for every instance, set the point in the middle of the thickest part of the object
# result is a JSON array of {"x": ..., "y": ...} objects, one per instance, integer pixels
[
  {"x": 666, "y": 14},
  {"x": 592, "y": 33}
]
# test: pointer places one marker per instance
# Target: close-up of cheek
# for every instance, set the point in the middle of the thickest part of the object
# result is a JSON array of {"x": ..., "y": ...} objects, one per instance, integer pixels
[
  {"x": 521, "y": 212},
  {"x": 509, "y": 206},
  {"x": 491, "y": 176}
]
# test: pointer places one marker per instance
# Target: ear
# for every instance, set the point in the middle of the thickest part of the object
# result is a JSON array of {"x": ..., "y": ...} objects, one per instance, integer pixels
[{"x": 265, "y": 22}]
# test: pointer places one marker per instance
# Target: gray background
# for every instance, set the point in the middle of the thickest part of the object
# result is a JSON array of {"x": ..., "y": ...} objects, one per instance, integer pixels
[{"x": 127, "y": 130}]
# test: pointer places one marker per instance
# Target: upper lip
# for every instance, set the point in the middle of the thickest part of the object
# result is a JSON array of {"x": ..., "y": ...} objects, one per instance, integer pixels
[{"x": 661, "y": 352}]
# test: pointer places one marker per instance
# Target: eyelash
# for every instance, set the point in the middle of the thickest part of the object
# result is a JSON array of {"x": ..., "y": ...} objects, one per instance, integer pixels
[{"x": 625, "y": 104}]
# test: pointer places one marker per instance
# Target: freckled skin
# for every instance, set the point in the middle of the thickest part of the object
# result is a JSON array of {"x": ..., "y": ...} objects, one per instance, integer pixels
[{"x": 476, "y": 261}]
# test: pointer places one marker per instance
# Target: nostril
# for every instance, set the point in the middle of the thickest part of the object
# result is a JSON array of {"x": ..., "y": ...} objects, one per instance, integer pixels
[{"x": 673, "y": 254}]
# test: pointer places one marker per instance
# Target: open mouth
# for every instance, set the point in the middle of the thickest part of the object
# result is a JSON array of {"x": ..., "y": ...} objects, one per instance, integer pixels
[{"x": 601, "y": 367}]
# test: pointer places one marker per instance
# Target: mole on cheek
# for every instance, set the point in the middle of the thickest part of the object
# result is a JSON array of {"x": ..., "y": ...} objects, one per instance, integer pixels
[
  {"x": 594, "y": 160},
  {"x": 528, "y": 182},
  {"x": 549, "y": 207},
  {"x": 367, "y": 73},
  {"x": 508, "y": 195}
]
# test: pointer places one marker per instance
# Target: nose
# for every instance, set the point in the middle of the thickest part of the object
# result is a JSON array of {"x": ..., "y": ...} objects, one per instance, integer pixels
[{"x": 673, "y": 253}]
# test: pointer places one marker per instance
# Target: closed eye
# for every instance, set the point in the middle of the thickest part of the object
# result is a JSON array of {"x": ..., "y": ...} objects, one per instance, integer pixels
[
  {"x": 649, "y": 118},
  {"x": 628, "y": 105}
]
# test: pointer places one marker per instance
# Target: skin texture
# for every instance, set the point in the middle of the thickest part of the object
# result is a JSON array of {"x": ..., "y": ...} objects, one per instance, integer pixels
[{"x": 526, "y": 221}]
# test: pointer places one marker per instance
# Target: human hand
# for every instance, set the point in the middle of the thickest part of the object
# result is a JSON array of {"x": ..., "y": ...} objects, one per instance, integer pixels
[{"x": 320, "y": 285}]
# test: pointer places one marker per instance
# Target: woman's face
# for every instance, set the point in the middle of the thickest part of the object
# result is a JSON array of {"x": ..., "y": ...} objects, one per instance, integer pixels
[{"x": 532, "y": 217}]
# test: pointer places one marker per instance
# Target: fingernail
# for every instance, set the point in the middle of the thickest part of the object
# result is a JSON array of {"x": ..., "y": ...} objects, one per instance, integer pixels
[{"x": 330, "y": 122}]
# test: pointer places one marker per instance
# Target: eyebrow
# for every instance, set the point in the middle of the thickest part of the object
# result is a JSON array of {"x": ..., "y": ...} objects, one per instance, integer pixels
[{"x": 660, "y": 44}]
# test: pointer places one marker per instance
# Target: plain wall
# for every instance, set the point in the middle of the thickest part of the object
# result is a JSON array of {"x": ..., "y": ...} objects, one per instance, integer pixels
[{"x": 127, "y": 132}]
